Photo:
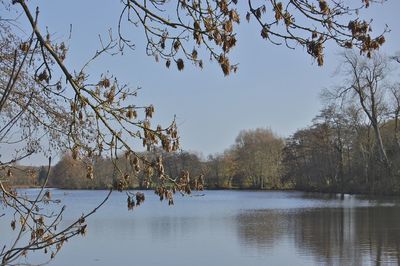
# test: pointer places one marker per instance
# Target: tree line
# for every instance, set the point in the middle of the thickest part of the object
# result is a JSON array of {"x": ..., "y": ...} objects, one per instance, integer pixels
[{"x": 351, "y": 146}]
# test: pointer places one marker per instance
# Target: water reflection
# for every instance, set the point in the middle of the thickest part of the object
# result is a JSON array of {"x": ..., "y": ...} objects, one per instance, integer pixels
[
  {"x": 232, "y": 228},
  {"x": 328, "y": 236}
]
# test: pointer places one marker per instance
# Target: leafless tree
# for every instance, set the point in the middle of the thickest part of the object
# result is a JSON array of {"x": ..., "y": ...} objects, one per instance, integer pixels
[
  {"x": 366, "y": 82},
  {"x": 41, "y": 112}
]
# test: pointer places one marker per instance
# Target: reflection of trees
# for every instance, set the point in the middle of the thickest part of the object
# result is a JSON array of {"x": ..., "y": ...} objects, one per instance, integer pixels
[
  {"x": 261, "y": 229},
  {"x": 331, "y": 236},
  {"x": 381, "y": 230}
]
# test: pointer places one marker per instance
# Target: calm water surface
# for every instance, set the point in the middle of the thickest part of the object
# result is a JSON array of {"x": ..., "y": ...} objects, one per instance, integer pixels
[{"x": 234, "y": 228}]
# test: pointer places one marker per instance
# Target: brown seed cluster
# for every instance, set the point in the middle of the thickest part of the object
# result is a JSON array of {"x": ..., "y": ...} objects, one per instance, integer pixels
[
  {"x": 139, "y": 197},
  {"x": 360, "y": 32},
  {"x": 316, "y": 48}
]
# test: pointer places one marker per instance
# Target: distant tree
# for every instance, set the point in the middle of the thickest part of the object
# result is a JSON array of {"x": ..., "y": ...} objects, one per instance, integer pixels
[
  {"x": 352, "y": 145},
  {"x": 395, "y": 93},
  {"x": 319, "y": 157},
  {"x": 259, "y": 156},
  {"x": 68, "y": 173},
  {"x": 214, "y": 172},
  {"x": 366, "y": 83},
  {"x": 177, "y": 162},
  {"x": 223, "y": 170}
]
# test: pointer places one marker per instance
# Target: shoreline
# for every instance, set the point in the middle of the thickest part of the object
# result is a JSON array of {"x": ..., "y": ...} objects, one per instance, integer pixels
[{"x": 237, "y": 189}]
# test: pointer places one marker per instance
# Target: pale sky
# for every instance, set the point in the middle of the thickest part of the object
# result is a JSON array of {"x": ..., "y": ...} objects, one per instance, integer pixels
[{"x": 275, "y": 87}]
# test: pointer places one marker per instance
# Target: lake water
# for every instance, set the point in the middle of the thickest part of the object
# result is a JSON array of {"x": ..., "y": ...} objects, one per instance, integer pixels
[{"x": 234, "y": 228}]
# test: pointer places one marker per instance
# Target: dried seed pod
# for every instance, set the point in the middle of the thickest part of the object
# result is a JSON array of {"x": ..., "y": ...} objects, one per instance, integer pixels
[
  {"x": 228, "y": 26},
  {"x": 196, "y": 25},
  {"x": 170, "y": 197},
  {"x": 131, "y": 113},
  {"x": 149, "y": 111},
  {"x": 225, "y": 65},
  {"x": 13, "y": 224},
  {"x": 43, "y": 76},
  {"x": 278, "y": 11},
  {"x": 24, "y": 47},
  {"x": 104, "y": 83},
  {"x": 83, "y": 230},
  {"x": 194, "y": 54},
  {"x": 248, "y": 15},
  {"x": 233, "y": 15},
  {"x": 323, "y": 6},
  {"x": 131, "y": 203},
  {"x": 180, "y": 64},
  {"x": 47, "y": 194},
  {"x": 264, "y": 33},
  {"x": 139, "y": 198},
  {"x": 177, "y": 45}
]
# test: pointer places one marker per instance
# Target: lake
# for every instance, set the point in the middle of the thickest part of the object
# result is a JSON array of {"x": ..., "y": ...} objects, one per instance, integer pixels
[{"x": 234, "y": 228}]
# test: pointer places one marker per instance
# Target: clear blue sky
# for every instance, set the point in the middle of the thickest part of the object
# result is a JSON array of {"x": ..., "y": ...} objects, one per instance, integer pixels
[{"x": 274, "y": 87}]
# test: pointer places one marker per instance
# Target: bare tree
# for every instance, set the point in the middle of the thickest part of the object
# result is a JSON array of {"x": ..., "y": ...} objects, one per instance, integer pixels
[
  {"x": 45, "y": 107},
  {"x": 395, "y": 93},
  {"x": 366, "y": 82},
  {"x": 34, "y": 216}
]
